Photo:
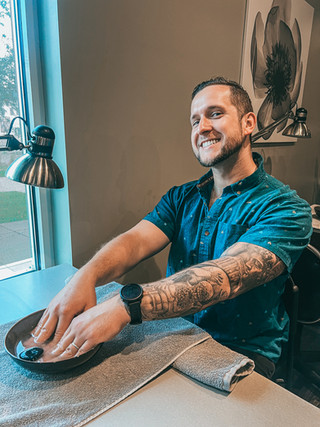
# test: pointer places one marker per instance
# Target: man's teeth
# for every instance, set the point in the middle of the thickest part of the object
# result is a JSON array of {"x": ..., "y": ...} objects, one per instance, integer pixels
[{"x": 208, "y": 143}]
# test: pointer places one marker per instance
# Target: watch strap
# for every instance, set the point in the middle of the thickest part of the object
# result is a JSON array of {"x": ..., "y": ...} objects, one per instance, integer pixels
[{"x": 135, "y": 312}]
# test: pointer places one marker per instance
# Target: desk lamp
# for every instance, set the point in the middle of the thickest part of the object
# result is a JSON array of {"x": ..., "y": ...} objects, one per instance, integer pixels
[
  {"x": 36, "y": 166},
  {"x": 297, "y": 129}
]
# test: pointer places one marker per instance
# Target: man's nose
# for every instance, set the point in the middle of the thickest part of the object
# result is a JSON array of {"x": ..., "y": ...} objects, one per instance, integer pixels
[{"x": 204, "y": 125}]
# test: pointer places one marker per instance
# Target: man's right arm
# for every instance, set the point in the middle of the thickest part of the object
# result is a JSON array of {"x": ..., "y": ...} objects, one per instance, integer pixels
[
  {"x": 112, "y": 261},
  {"x": 126, "y": 251}
]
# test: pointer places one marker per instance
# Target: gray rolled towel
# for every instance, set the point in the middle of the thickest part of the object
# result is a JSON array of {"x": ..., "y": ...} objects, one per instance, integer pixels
[{"x": 214, "y": 364}]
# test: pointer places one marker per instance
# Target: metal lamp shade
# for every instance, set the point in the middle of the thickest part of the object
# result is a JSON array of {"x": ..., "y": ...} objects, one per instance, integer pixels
[
  {"x": 36, "y": 167},
  {"x": 299, "y": 128},
  {"x": 36, "y": 171}
]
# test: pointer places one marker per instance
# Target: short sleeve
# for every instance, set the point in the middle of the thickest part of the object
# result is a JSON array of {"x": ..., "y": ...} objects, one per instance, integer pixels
[
  {"x": 164, "y": 213},
  {"x": 284, "y": 228}
]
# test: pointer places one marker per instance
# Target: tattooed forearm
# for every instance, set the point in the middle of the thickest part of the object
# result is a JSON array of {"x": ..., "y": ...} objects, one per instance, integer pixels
[
  {"x": 184, "y": 293},
  {"x": 254, "y": 265},
  {"x": 240, "y": 268}
]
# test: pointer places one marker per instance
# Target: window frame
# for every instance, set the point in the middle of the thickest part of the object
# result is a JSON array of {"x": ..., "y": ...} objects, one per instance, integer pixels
[
  {"x": 39, "y": 199},
  {"x": 39, "y": 38}
]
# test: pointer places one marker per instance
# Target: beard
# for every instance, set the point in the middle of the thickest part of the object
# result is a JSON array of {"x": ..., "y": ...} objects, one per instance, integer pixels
[{"x": 233, "y": 146}]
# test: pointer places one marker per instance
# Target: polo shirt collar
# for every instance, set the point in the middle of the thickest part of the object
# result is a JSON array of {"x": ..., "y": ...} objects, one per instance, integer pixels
[{"x": 238, "y": 187}]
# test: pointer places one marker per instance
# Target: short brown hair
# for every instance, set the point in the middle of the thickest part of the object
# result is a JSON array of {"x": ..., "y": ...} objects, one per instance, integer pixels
[{"x": 238, "y": 96}]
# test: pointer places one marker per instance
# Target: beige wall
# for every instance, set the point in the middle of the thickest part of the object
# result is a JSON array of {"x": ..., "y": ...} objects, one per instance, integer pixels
[{"x": 128, "y": 67}]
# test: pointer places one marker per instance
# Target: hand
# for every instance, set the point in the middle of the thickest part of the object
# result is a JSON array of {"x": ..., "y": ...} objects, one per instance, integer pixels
[
  {"x": 76, "y": 297},
  {"x": 98, "y": 324}
]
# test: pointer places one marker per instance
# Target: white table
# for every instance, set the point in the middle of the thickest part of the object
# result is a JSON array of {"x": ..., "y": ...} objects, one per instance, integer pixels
[{"x": 172, "y": 399}]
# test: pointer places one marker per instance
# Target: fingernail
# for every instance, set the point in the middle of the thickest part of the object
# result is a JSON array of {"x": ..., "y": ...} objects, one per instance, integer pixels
[
  {"x": 56, "y": 349},
  {"x": 35, "y": 332}
]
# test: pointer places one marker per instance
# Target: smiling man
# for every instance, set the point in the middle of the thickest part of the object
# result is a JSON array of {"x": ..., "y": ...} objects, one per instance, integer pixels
[
  {"x": 235, "y": 234},
  {"x": 216, "y": 121}
]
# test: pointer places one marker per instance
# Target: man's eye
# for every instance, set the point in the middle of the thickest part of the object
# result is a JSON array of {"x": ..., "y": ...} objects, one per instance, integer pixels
[
  {"x": 195, "y": 123},
  {"x": 215, "y": 114}
]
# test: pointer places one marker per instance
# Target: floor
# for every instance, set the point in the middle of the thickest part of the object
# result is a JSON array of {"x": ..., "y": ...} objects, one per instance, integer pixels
[
  {"x": 302, "y": 386},
  {"x": 305, "y": 389}
]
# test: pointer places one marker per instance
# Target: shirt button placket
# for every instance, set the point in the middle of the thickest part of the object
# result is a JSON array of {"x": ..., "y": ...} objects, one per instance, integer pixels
[{"x": 204, "y": 250}]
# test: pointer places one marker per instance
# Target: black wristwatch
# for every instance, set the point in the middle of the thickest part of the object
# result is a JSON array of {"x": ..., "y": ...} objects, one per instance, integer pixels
[{"x": 131, "y": 295}]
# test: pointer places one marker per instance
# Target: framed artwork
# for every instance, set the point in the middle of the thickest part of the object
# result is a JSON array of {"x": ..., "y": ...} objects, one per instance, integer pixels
[{"x": 274, "y": 60}]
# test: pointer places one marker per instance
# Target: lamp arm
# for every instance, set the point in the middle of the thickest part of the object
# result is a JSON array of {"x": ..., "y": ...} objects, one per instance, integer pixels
[
  {"x": 12, "y": 143},
  {"x": 272, "y": 126},
  {"x": 24, "y": 121}
]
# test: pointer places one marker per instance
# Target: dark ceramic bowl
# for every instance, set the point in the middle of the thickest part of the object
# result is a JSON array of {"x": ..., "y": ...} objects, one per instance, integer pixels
[{"x": 20, "y": 330}]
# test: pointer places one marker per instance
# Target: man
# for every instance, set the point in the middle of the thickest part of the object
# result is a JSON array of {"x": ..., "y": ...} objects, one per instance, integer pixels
[{"x": 234, "y": 234}]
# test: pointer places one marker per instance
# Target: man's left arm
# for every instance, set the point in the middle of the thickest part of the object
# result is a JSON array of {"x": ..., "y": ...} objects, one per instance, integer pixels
[{"x": 241, "y": 267}]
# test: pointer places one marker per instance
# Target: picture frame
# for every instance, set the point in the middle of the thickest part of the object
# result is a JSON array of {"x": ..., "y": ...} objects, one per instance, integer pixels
[{"x": 275, "y": 52}]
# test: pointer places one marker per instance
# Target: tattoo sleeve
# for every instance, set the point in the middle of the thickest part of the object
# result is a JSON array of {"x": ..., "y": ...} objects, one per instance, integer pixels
[{"x": 241, "y": 267}]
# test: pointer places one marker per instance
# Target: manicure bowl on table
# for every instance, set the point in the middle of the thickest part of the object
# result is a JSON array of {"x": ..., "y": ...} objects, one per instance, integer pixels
[{"x": 17, "y": 342}]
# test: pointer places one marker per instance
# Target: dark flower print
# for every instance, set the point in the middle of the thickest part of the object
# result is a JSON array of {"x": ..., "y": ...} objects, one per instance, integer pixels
[{"x": 276, "y": 65}]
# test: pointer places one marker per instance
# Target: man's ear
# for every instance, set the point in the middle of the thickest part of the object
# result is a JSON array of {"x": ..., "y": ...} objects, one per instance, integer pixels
[{"x": 249, "y": 121}]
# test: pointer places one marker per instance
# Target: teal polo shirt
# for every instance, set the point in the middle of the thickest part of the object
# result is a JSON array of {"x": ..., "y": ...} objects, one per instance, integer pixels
[{"x": 259, "y": 210}]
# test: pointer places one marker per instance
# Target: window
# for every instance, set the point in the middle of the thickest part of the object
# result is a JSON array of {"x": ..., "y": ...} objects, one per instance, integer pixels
[
  {"x": 17, "y": 253},
  {"x": 28, "y": 27},
  {"x": 25, "y": 212}
]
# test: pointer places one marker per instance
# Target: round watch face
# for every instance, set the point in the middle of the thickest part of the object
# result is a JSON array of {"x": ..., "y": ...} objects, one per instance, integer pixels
[{"x": 131, "y": 292}]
